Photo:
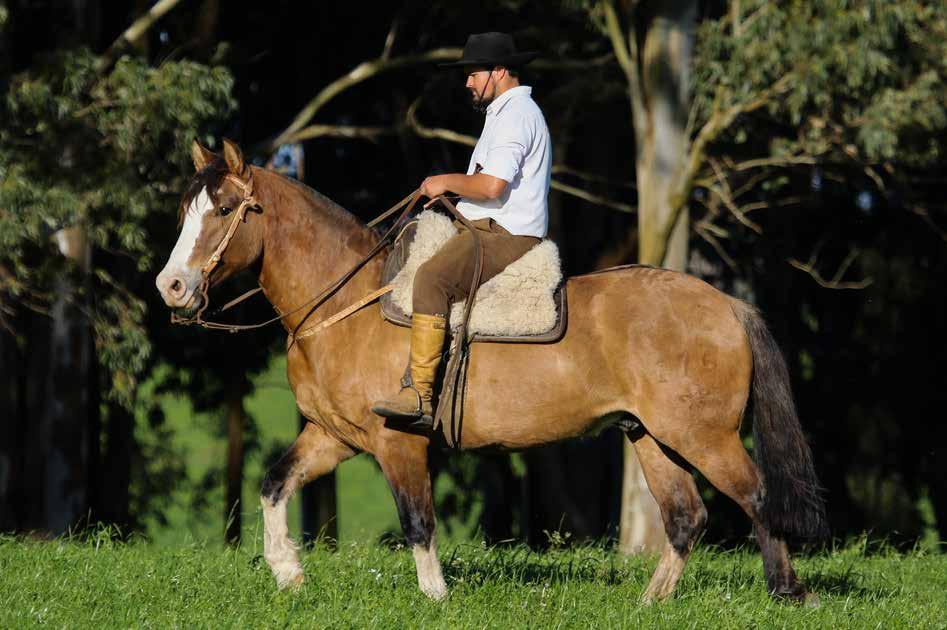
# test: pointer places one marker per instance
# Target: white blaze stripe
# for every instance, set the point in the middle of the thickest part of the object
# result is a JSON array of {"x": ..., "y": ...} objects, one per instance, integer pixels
[{"x": 193, "y": 219}]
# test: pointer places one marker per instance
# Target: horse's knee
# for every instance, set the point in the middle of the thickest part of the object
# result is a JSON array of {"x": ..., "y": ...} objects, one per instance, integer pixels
[{"x": 275, "y": 481}]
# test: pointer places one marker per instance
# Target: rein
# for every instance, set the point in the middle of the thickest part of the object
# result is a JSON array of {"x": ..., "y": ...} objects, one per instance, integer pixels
[{"x": 248, "y": 201}]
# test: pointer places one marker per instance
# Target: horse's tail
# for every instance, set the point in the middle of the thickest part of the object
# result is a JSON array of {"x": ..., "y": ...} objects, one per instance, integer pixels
[{"x": 792, "y": 503}]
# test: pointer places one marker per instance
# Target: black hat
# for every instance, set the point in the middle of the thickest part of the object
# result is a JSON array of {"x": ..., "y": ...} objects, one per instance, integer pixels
[{"x": 492, "y": 49}]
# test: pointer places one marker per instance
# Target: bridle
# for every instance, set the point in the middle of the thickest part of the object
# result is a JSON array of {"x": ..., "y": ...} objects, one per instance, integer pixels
[
  {"x": 250, "y": 201},
  {"x": 239, "y": 216}
]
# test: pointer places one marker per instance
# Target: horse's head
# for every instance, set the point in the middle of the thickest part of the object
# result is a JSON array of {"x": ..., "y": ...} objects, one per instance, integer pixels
[{"x": 216, "y": 203}]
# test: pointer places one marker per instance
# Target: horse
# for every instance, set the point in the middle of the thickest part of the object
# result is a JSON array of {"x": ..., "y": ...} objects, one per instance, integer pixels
[{"x": 665, "y": 349}]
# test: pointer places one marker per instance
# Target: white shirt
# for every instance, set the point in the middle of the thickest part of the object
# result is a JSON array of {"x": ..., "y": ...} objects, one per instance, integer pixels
[{"x": 515, "y": 147}]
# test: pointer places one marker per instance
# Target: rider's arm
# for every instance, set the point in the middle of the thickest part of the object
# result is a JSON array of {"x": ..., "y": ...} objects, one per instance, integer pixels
[{"x": 479, "y": 187}]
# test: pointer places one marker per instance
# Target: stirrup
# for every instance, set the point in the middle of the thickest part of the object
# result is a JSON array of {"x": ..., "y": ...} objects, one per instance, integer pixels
[{"x": 422, "y": 422}]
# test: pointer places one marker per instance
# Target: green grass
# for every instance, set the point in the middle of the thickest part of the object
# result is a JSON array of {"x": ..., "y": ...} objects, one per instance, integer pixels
[{"x": 100, "y": 583}]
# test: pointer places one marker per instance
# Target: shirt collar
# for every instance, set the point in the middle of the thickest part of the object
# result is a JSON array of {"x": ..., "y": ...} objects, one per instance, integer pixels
[{"x": 498, "y": 103}]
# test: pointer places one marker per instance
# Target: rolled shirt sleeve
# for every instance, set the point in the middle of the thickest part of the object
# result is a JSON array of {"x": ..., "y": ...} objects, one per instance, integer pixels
[{"x": 505, "y": 157}]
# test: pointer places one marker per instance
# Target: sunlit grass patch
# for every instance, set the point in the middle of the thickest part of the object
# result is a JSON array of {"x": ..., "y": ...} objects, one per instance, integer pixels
[{"x": 102, "y": 582}]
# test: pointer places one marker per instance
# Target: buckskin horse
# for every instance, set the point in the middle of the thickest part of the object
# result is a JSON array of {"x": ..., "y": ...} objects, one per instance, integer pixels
[{"x": 666, "y": 349}]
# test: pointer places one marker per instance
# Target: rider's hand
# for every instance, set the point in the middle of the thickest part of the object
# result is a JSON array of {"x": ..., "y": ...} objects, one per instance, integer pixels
[{"x": 434, "y": 186}]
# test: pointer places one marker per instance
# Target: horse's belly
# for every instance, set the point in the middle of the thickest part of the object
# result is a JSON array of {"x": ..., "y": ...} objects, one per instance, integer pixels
[{"x": 519, "y": 396}]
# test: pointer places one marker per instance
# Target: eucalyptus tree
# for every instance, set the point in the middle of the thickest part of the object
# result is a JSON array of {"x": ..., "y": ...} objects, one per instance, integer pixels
[{"x": 91, "y": 158}]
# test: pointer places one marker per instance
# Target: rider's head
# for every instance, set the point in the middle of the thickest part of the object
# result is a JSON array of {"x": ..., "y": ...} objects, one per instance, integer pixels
[
  {"x": 490, "y": 62},
  {"x": 485, "y": 83}
]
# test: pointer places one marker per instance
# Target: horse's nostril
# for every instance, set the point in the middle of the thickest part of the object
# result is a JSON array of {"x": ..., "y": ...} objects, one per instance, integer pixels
[{"x": 177, "y": 287}]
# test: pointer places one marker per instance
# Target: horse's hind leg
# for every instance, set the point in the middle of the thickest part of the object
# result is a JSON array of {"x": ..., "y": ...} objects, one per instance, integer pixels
[
  {"x": 313, "y": 454},
  {"x": 729, "y": 468},
  {"x": 682, "y": 510},
  {"x": 404, "y": 463}
]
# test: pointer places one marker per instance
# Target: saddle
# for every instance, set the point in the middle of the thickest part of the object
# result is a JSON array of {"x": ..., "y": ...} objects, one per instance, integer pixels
[{"x": 510, "y": 308}]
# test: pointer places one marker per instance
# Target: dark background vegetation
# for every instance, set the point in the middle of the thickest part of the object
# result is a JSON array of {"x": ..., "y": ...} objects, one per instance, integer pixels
[{"x": 868, "y": 364}]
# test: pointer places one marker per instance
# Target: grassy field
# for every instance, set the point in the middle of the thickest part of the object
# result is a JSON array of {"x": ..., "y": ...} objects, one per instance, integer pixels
[{"x": 99, "y": 583}]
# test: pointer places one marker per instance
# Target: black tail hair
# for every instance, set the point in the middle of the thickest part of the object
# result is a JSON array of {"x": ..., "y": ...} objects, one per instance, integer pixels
[{"x": 791, "y": 502}]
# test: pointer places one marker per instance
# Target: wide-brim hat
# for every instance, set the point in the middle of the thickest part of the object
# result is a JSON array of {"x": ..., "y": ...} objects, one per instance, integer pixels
[{"x": 491, "y": 49}]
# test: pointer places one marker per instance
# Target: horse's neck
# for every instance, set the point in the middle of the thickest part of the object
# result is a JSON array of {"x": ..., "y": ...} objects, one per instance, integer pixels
[{"x": 308, "y": 244}]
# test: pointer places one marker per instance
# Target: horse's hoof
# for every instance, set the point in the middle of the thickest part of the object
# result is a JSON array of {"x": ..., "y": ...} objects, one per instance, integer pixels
[
  {"x": 649, "y": 599},
  {"x": 291, "y": 583},
  {"x": 436, "y": 593}
]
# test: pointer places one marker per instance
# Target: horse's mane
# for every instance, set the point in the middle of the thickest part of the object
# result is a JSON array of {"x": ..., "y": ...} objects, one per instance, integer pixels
[
  {"x": 322, "y": 204},
  {"x": 325, "y": 204}
]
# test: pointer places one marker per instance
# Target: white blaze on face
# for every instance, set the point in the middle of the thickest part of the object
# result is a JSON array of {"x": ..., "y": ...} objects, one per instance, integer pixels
[
  {"x": 177, "y": 281},
  {"x": 193, "y": 220}
]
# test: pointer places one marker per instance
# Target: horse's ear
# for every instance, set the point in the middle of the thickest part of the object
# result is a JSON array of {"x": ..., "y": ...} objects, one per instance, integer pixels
[
  {"x": 234, "y": 158},
  {"x": 201, "y": 155}
]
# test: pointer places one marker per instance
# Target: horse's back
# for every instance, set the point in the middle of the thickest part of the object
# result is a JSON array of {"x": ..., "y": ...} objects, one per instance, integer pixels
[{"x": 638, "y": 339}]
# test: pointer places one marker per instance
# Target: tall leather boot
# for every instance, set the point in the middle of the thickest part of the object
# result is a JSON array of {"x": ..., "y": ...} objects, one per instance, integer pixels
[{"x": 414, "y": 401}]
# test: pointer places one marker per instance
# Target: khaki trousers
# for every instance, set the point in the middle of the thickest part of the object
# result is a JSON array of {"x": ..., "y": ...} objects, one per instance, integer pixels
[{"x": 445, "y": 278}]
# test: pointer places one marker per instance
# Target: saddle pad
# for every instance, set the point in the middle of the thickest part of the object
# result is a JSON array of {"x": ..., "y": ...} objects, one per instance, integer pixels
[{"x": 523, "y": 303}]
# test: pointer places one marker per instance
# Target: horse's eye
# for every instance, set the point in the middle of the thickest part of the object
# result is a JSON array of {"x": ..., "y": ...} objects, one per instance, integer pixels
[{"x": 224, "y": 211}]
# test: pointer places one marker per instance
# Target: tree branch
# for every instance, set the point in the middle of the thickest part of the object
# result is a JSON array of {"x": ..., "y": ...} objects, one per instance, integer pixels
[
  {"x": 132, "y": 33},
  {"x": 626, "y": 53},
  {"x": 926, "y": 217},
  {"x": 773, "y": 161},
  {"x": 835, "y": 283},
  {"x": 704, "y": 233},
  {"x": 589, "y": 177},
  {"x": 435, "y": 132},
  {"x": 342, "y": 131},
  {"x": 360, "y": 73},
  {"x": 591, "y": 197},
  {"x": 719, "y": 121}
]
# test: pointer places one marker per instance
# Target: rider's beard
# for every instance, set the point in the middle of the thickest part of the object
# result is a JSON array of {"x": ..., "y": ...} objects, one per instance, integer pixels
[{"x": 479, "y": 100}]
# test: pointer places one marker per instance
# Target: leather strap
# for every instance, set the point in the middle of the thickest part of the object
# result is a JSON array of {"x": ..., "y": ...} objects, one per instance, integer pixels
[
  {"x": 371, "y": 297},
  {"x": 248, "y": 201},
  {"x": 453, "y": 368}
]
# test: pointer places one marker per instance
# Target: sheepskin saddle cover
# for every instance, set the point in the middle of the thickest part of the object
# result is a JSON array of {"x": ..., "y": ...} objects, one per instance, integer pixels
[{"x": 518, "y": 301}]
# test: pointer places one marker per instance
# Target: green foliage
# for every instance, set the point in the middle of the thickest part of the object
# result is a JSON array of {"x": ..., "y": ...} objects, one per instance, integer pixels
[
  {"x": 102, "y": 582},
  {"x": 105, "y": 153},
  {"x": 844, "y": 81}
]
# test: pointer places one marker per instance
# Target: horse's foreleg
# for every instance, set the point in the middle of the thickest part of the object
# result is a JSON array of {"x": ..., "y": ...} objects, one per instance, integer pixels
[
  {"x": 404, "y": 463},
  {"x": 682, "y": 511},
  {"x": 313, "y": 454}
]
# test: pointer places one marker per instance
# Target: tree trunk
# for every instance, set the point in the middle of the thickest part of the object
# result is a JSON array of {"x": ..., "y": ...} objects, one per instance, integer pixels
[
  {"x": 66, "y": 410},
  {"x": 235, "y": 421},
  {"x": 660, "y": 103}
]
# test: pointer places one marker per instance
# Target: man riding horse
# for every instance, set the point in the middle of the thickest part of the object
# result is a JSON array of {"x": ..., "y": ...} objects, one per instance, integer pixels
[{"x": 504, "y": 195}]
